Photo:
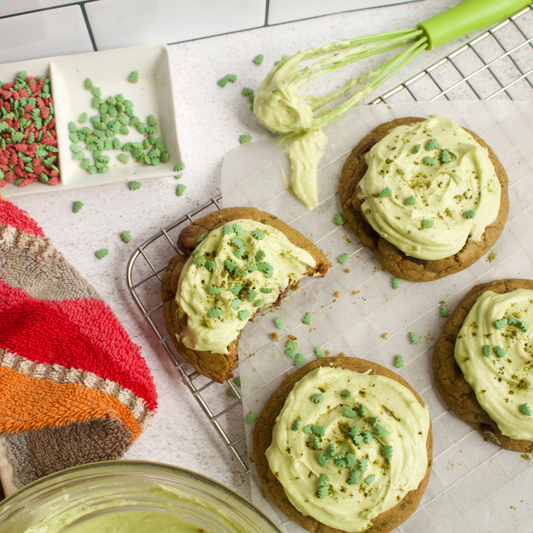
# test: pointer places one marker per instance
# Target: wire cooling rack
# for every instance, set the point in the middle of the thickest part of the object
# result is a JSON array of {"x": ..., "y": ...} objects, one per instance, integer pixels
[{"x": 496, "y": 64}]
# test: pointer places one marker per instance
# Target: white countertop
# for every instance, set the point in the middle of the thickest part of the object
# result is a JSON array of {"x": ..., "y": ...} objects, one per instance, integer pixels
[{"x": 210, "y": 120}]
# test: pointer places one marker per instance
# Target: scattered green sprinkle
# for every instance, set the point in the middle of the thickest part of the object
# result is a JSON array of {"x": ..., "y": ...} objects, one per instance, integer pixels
[
  {"x": 416, "y": 148},
  {"x": 222, "y": 82},
  {"x": 236, "y": 303},
  {"x": 123, "y": 158},
  {"x": 380, "y": 430},
  {"x": 367, "y": 437},
  {"x": 444, "y": 311},
  {"x": 251, "y": 417},
  {"x": 414, "y": 338},
  {"x": 387, "y": 452},
  {"x": 445, "y": 156},
  {"x": 179, "y": 167},
  {"x": 356, "y": 430},
  {"x": 308, "y": 318},
  {"x": 322, "y": 459},
  {"x": 260, "y": 255},
  {"x": 362, "y": 464},
  {"x": 339, "y": 219},
  {"x": 258, "y": 303},
  {"x": 134, "y": 185},
  {"x": 362, "y": 410},
  {"x": 180, "y": 189},
  {"x": 243, "y": 139},
  {"x": 372, "y": 420},
  {"x": 330, "y": 450},
  {"x": 487, "y": 350},
  {"x": 343, "y": 258},
  {"x": 199, "y": 260},
  {"x": 246, "y": 91},
  {"x": 299, "y": 359},
  {"x": 410, "y": 201},
  {"x": 350, "y": 460},
  {"x": 236, "y": 289},
  {"x": 278, "y": 322},
  {"x": 232, "y": 393},
  {"x": 290, "y": 352},
  {"x": 500, "y": 324},
  {"x": 238, "y": 229},
  {"x": 296, "y": 425},
  {"x": 243, "y": 315},
  {"x": 214, "y": 312},
  {"x": 429, "y": 161},
  {"x": 308, "y": 430},
  {"x": 431, "y": 144},
  {"x": 317, "y": 398},
  {"x": 133, "y": 77},
  {"x": 398, "y": 361},
  {"x": 320, "y": 353},
  {"x": 213, "y": 290},
  {"x": 319, "y": 430},
  {"x": 77, "y": 207},
  {"x": 258, "y": 59},
  {"x": 369, "y": 479},
  {"x": 524, "y": 325},
  {"x": 322, "y": 491},
  {"x": 349, "y": 412},
  {"x": 259, "y": 235},
  {"x": 385, "y": 193},
  {"x": 525, "y": 409},
  {"x": 126, "y": 236},
  {"x": 470, "y": 214},
  {"x": 354, "y": 478},
  {"x": 83, "y": 118},
  {"x": 200, "y": 238},
  {"x": 102, "y": 253},
  {"x": 500, "y": 352},
  {"x": 426, "y": 224},
  {"x": 396, "y": 283},
  {"x": 266, "y": 290},
  {"x": 323, "y": 480}
]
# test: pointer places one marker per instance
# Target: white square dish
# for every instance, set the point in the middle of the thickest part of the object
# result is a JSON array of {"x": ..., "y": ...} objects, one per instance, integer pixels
[{"x": 109, "y": 70}]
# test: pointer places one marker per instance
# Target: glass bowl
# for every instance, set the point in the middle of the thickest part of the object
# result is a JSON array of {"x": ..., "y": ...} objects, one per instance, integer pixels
[{"x": 129, "y": 497}]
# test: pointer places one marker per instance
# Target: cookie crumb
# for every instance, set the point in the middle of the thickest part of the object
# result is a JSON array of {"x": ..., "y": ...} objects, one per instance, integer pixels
[
  {"x": 336, "y": 294},
  {"x": 385, "y": 335},
  {"x": 292, "y": 337},
  {"x": 274, "y": 336},
  {"x": 341, "y": 354},
  {"x": 347, "y": 270},
  {"x": 355, "y": 292},
  {"x": 327, "y": 352}
]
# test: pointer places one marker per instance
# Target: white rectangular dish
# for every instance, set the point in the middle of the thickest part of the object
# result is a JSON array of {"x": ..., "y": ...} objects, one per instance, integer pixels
[{"x": 109, "y": 70}]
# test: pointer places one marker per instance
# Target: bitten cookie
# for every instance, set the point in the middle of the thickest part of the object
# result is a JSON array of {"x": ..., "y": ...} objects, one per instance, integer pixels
[
  {"x": 429, "y": 198},
  {"x": 483, "y": 362},
  {"x": 343, "y": 445},
  {"x": 236, "y": 262}
]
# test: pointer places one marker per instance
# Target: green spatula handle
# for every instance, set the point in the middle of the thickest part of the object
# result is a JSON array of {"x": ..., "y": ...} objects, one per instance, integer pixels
[{"x": 468, "y": 16}]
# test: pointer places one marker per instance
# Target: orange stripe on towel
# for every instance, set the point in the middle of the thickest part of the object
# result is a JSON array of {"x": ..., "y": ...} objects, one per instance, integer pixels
[{"x": 28, "y": 403}]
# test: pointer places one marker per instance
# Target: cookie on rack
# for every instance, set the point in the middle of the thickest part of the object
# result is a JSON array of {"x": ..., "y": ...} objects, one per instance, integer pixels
[
  {"x": 235, "y": 262},
  {"x": 483, "y": 362},
  {"x": 342, "y": 445},
  {"x": 427, "y": 197}
]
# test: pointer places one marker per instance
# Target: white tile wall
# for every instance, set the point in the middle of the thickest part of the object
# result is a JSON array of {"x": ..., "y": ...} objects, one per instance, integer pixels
[
  {"x": 11, "y": 7},
  {"x": 45, "y": 33},
  {"x": 285, "y": 11},
  {"x": 118, "y": 23}
]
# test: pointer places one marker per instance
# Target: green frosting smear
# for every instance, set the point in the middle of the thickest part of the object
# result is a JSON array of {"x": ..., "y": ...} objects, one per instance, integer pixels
[
  {"x": 288, "y": 264},
  {"x": 443, "y": 188},
  {"x": 496, "y": 363}
]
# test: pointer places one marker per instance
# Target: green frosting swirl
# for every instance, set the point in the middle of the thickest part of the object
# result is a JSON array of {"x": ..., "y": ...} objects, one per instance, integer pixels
[
  {"x": 429, "y": 187},
  {"x": 502, "y": 380},
  {"x": 349, "y": 444},
  {"x": 220, "y": 286}
]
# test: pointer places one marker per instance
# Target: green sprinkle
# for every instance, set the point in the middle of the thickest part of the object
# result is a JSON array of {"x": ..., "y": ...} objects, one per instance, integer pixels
[
  {"x": 243, "y": 139},
  {"x": 227, "y": 229},
  {"x": 308, "y": 318},
  {"x": 320, "y": 353},
  {"x": 350, "y": 460},
  {"x": 524, "y": 325},
  {"x": 410, "y": 201},
  {"x": 416, "y": 148},
  {"x": 232, "y": 393},
  {"x": 260, "y": 255},
  {"x": 300, "y": 358},
  {"x": 259, "y": 303},
  {"x": 179, "y": 167},
  {"x": 354, "y": 432},
  {"x": 346, "y": 393},
  {"x": 513, "y": 321},
  {"x": 243, "y": 315},
  {"x": 246, "y": 91},
  {"x": 237, "y": 242},
  {"x": 291, "y": 344},
  {"x": 88, "y": 83},
  {"x": 199, "y": 260},
  {"x": 239, "y": 230},
  {"x": 200, "y": 238},
  {"x": 213, "y": 290},
  {"x": 251, "y": 267},
  {"x": 431, "y": 144},
  {"x": 362, "y": 410},
  {"x": 134, "y": 185},
  {"x": 330, "y": 450},
  {"x": 343, "y": 258},
  {"x": 252, "y": 295},
  {"x": 278, "y": 322},
  {"x": 237, "y": 381},
  {"x": 385, "y": 193},
  {"x": 214, "y": 312},
  {"x": 239, "y": 252},
  {"x": 369, "y": 479},
  {"x": 398, "y": 361},
  {"x": 426, "y": 224},
  {"x": 349, "y": 412},
  {"x": 339, "y": 219},
  {"x": 259, "y": 235},
  {"x": 362, "y": 464},
  {"x": 133, "y": 77},
  {"x": 323, "y": 480},
  {"x": 266, "y": 290},
  {"x": 445, "y": 156},
  {"x": 96, "y": 91},
  {"x": 381, "y": 431},
  {"x": 258, "y": 59},
  {"x": 180, "y": 189},
  {"x": 236, "y": 289},
  {"x": 487, "y": 350},
  {"x": 429, "y": 161},
  {"x": 470, "y": 214},
  {"x": 444, "y": 311},
  {"x": 230, "y": 265},
  {"x": 500, "y": 352},
  {"x": 341, "y": 462},
  {"x": 322, "y": 459},
  {"x": 236, "y": 303},
  {"x": 372, "y": 420},
  {"x": 317, "y": 398},
  {"x": 525, "y": 409},
  {"x": 102, "y": 253},
  {"x": 126, "y": 236},
  {"x": 367, "y": 437},
  {"x": 319, "y": 430},
  {"x": 414, "y": 338},
  {"x": 296, "y": 425},
  {"x": 387, "y": 452},
  {"x": 123, "y": 158},
  {"x": 354, "y": 478},
  {"x": 77, "y": 207},
  {"x": 251, "y": 417},
  {"x": 308, "y": 429},
  {"x": 396, "y": 283},
  {"x": 322, "y": 491},
  {"x": 500, "y": 324}
]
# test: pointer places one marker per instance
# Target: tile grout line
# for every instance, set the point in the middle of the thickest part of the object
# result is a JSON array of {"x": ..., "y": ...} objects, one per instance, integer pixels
[
  {"x": 267, "y": 9},
  {"x": 88, "y": 25}
]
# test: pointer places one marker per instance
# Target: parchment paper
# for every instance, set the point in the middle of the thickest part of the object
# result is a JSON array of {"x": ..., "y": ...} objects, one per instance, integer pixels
[{"x": 474, "y": 485}]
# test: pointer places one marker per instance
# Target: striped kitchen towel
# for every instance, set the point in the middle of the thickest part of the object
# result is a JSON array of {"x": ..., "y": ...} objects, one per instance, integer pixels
[{"x": 74, "y": 388}]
